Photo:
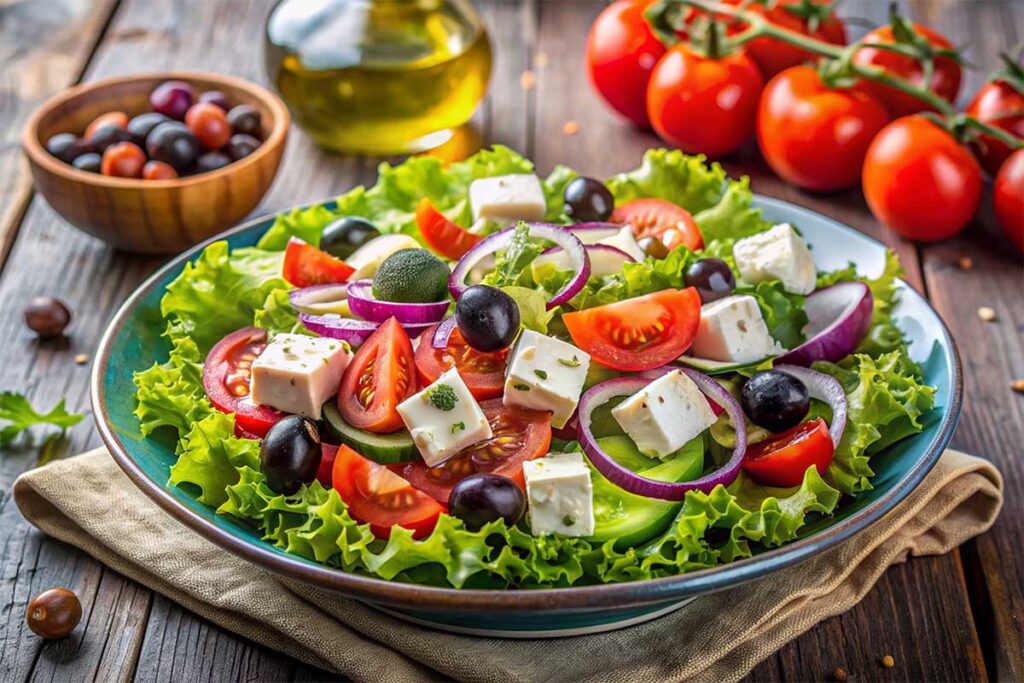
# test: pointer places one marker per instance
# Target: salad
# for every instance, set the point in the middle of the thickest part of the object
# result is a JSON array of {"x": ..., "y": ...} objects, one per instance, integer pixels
[{"x": 472, "y": 376}]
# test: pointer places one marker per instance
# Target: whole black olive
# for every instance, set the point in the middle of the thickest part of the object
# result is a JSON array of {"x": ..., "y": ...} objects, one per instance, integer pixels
[
  {"x": 67, "y": 147},
  {"x": 775, "y": 400},
  {"x": 290, "y": 454},
  {"x": 108, "y": 135},
  {"x": 245, "y": 119},
  {"x": 712, "y": 277},
  {"x": 587, "y": 199},
  {"x": 54, "y": 613},
  {"x": 90, "y": 161},
  {"x": 216, "y": 97},
  {"x": 487, "y": 317},
  {"x": 241, "y": 145},
  {"x": 142, "y": 125},
  {"x": 342, "y": 237},
  {"x": 482, "y": 498},
  {"x": 211, "y": 161},
  {"x": 47, "y": 317},
  {"x": 173, "y": 143}
]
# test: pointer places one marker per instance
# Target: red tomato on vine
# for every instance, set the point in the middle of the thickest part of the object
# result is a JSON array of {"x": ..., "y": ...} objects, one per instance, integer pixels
[
  {"x": 999, "y": 104},
  {"x": 1008, "y": 197}
]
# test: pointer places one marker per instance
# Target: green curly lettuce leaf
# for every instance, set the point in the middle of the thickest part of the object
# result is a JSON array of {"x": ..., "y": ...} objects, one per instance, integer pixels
[
  {"x": 210, "y": 456},
  {"x": 886, "y": 403},
  {"x": 171, "y": 394}
]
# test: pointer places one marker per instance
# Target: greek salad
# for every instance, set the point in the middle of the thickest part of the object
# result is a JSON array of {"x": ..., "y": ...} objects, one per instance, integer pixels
[{"x": 469, "y": 375}]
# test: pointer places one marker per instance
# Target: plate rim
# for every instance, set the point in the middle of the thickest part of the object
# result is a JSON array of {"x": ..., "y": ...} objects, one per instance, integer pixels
[{"x": 578, "y": 598}]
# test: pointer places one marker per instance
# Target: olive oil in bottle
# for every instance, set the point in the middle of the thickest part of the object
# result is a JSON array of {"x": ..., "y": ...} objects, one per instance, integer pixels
[{"x": 378, "y": 76}]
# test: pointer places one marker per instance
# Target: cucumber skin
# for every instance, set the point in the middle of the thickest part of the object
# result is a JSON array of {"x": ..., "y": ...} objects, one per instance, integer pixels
[{"x": 401, "y": 451}]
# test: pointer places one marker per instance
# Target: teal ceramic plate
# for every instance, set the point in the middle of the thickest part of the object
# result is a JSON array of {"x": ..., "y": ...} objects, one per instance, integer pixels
[{"x": 133, "y": 342}]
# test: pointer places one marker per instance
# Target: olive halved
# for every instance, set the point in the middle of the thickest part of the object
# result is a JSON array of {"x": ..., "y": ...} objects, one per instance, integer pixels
[
  {"x": 487, "y": 317},
  {"x": 483, "y": 498},
  {"x": 342, "y": 237},
  {"x": 775, "y": 400},
  {"x": 290, "y": 454}
]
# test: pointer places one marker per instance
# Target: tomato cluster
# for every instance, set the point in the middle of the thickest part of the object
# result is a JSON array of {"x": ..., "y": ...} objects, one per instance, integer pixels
[{"x": 820, "y": 133}]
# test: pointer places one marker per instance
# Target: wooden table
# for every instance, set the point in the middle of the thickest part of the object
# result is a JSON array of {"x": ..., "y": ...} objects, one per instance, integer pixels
[{"x": 960, "y": 616}]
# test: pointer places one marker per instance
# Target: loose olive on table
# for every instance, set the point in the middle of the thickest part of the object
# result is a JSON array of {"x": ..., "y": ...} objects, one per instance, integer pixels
[
  {"x": 46, "y": 316},
  {"x": 54, "y": 613}
]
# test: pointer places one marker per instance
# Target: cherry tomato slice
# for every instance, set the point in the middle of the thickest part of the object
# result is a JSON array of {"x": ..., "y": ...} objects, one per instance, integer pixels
[
  {"x": 783, "y": 460},
  {"x": 638, "y": 334},
  {"x": 227, "y": 374},
  {"x": 519, "y": 435},
  {"x": 325, "y": 473},
  {"x": 380, "y": 376},
  {"x": 671, "y": 224},
  {"x": 442, "y": 236},
  {"x": 483, "y": 373},
  {"x": 305, "y": 266},
  {"x": 381, "y": 498}
]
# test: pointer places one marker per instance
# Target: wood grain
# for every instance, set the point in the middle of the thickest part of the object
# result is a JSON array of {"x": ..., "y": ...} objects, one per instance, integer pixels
[{"x": 925, "y": 613}]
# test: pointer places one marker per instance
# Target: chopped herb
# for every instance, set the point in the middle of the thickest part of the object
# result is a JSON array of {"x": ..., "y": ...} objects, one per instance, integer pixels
[
  {"x": 16, "y": 409},
  {"x": 574, "y": 363},
  {"x": 568, "y": 520},
  {"x": 458, "y": 427},
  {"x": 287, "y": 349},
  {"x": 442, "y": 397},
  {"x": 520, "y": 387},
  {"x": 326, "y": 362},
  {"x": 541, "y": 373}
]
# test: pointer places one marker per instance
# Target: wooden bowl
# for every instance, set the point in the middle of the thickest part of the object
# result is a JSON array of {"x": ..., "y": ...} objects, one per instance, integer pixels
[{"x": 152, "y": 216}]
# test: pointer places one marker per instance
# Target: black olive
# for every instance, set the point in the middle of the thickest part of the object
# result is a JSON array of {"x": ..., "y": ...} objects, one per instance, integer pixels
[
  {"x": 47, "y": 317},
  {"x": 482, "y": 498},
  {"x": 290, "y": 454},
  {"x": 173, "y": 143},
  {"x": 587, "y": 199},
  {"x": 241, "y": 145},
  {"x": 245, "y": 119},
  {"x": 210, "y": 161},
  {"x": 108, "y": 135},
  {"x": 712, "y": 277},
  {"x": 487, "y": 317},
  {"x": 67, "y": 147},
  {"x": 142, "y": 125},
  {"x": 54, "y": 613},
  {"x": 90, "y": 161},
  {"x": 775, "y": 400},
  {"x": 216, "y": 97},
  {"x": 342, "y": 237}
]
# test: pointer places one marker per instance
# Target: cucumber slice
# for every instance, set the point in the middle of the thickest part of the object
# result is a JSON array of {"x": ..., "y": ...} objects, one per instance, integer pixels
[
  {"x": 386, "y": 449},
  {"x": 715, "y": 367}
]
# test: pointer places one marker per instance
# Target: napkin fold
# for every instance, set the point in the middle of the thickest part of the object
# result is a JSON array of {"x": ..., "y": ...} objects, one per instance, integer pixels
[{"x": 719, "y": 636}]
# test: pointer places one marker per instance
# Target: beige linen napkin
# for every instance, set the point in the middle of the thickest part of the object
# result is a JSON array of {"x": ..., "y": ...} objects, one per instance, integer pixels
[{"x": 719, "y": 636}]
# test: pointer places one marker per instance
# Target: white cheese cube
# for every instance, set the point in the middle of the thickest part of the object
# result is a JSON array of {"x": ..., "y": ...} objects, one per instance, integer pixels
[
  {"x": 297, "y": 374},
  {"x": 508, "y": 198},
  {"x": 444, "y": 418},
  {"x": 545, "y": 373},
  {"x": 560, "y": 495},
  {"x": 778, "y": 254},
  {"x": 625, "y": 241},
  {"x": 665, "y": 414},
  {"x": 733, "y": 330}
]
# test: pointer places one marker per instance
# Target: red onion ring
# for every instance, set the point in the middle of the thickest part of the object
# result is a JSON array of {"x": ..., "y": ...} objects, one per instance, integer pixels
[
  {"x": 316, "y": 299},
  {"x": 824, "y": 388},
  {"x": 350, "y": 330},
  {"x": 630, "y": 481},
  {"x": 595, "y": 231},
  {"x": 838, "y": 318},
  {"x": 500, "y": 240},
  {"x": 363, "y": 304},
  {"x": 443, "y": 333},
  {"x": 604, "y": 258}
]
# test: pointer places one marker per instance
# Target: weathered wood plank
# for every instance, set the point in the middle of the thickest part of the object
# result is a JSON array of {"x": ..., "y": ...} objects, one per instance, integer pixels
[{"x": 44, "y": 46}]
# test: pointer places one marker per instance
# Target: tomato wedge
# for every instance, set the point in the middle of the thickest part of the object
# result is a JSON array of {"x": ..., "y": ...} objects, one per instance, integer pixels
[
  {"x": 671, "y": 224},
  {"x": 379, "y": 377},
  {"x": 638, "y": 334},
  {"x": 519, "y": 435},
  {"x": 381, "y": 498},
  {"x": 325, "y": 473},
  {"x": 442, "y": 235},
  {"x": 227, "y": 374},
  {"x": 305, "y": 266},
  {"x": 783, "y": 460},
  {"x": 483, "y": 373}
]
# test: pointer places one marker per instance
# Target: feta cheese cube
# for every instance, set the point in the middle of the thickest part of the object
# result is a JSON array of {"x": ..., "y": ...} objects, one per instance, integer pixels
[
  {"x": 733, "y": 330},
  {"x": 665, "y": 414},
  {"x": 625, "y": 241},
  {"x": 545, "y": 373},
  {"x": 560, "y": 495},
  {"x": 297, "y": 374},
  {"x": 508, "y": 198},
  {"x": 444, "y": 418},
  {"x": 778, "y": 254}
]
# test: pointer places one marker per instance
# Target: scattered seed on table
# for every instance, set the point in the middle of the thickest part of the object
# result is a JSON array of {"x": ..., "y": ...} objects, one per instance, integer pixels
[
  {"x": 1017, "y": 385},
  {"x": 987, "y": 314},
  {"x": 966, "y": 263},
  {"x": 839, "y": 674},
  {"x": 540, "y": 60},
  {"x": 571, "y": 128},
  {"x": 81, "y": 359},
  {"x": 528, "y": 81},
  {"x": 888, "y": 662}
]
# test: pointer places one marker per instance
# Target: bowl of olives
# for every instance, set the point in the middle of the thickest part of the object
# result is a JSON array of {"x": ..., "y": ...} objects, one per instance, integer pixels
[{"x": 156, "y": 162}]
